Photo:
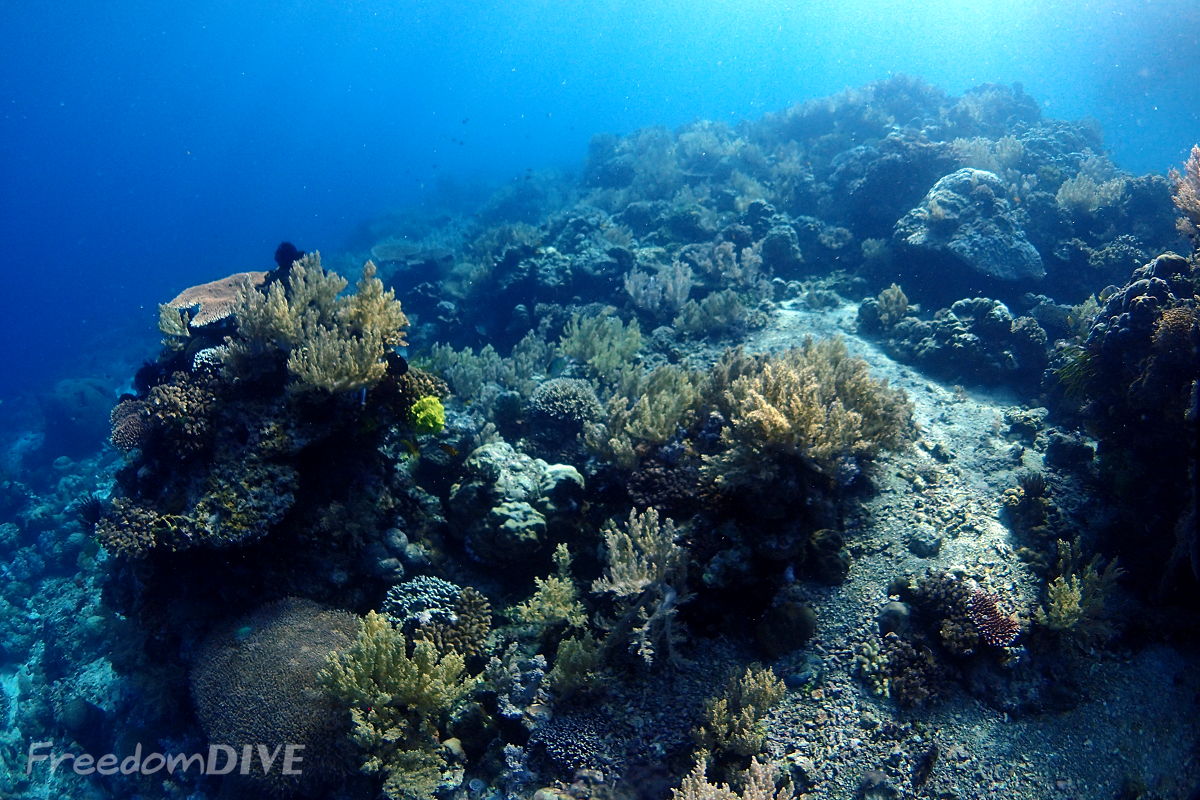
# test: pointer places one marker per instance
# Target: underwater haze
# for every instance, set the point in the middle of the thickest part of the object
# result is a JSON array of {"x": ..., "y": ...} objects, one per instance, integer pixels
[
  {"x": 600, "y": 400},
  {"x": 148, "y": 145}
]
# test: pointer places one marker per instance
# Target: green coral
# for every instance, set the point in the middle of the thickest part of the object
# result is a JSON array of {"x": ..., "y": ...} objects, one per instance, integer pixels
[
  {"x": 602, "y": 342},
  {"x": 331, "y": 342},
  {"x": 397, "y": 702},
  {"x": 1077, "y": 596},
  {"x": 733, "y": 723},
  {"x": 427, "y": 415},
  {"x": 555, "y": 603}
]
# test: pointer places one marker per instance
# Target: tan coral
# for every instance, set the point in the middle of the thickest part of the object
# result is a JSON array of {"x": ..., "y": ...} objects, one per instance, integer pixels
[{"x": 215, "y": 298}]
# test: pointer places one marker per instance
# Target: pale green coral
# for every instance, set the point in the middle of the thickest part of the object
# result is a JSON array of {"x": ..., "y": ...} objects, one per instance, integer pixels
[
  {"x": 555, "y": 602},
  {"x": 733, "y": 723},
  {"x": 396, "y": 703},
  {"x": 427, "y": 415},
  {"x": 332, "y": 342},
  {"x": 604, "y": 343},
  {"x": 647, "y": 572},
  {"x": 1076, "y": 597}
]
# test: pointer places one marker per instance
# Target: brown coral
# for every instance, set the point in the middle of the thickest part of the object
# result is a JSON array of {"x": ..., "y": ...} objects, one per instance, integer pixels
[
  {"x": 993, "y": 625},
  {"x": 256, "y": 680},
  {"x": 130, "y": 424},
  {"x": 215, "y": 299},
  {"x": 1186, "y": 194},
  {"x": 467, "y": 634}
]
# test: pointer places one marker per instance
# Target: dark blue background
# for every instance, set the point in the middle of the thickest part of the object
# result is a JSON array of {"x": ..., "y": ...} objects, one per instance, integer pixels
[{"x": 148, "y": 146}]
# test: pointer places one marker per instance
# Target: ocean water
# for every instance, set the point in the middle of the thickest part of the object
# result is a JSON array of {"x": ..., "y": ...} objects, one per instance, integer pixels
[
  {"x": 650, "y": 253},
  {"x": 149, "y": 146}
]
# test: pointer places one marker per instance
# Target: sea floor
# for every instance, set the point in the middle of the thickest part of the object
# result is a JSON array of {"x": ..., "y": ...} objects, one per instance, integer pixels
[{"x": 1136, "y": 731}]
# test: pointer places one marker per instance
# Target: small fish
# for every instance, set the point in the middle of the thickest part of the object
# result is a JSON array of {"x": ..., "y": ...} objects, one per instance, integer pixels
[
  {"x": 449, "y": 450},
  {"x": 411, "y": 447},
  {"x": 557, "y": 366}
]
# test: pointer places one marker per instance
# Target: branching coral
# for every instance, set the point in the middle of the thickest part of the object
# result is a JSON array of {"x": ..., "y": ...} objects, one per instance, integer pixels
[
  {"x": 1076, "y": 597},
  {"x": 759, "y": 785},
  {"x": 647, "y": 572},
  {"x": 603, "y": 342},
  {"x": 396, "y": 703},
  {"x": 814, "y": 403},
  {"x": 1186, "y": 194},
  {"x": 332, "y": 342},
  {"x": 733, "y": 722},
  {"x": 555, "y": 603}
]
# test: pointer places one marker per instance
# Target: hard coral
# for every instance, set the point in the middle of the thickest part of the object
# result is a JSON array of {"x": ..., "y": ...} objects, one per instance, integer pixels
[
  {"x": 215, "y": 300},
  {"x": 993, "y": 625},
  {"x": 255, "y": 681}
]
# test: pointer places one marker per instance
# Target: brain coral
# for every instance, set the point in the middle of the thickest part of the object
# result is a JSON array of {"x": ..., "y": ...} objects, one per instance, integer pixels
[{"x": 254, "y": 681}]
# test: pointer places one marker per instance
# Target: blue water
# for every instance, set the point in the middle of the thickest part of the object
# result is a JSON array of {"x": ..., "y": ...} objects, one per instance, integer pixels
[{"x": 148, "y": 146}]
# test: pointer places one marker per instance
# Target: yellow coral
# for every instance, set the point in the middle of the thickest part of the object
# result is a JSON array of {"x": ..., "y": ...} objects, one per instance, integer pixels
[
  {"x": 815, "y": 403},
  {"x": 733, "y": 723}
]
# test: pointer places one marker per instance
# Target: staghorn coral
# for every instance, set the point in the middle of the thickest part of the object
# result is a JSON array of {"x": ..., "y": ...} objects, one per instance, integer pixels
[
  {"x": 214, "y": 301},
  {"x": 397, "y": 702},
  {"x": 256, "y": 681},
  {"x": 1185, "y": 193},
  {"x": 815, "y": 404},
  {"x": 647, "y": 573},
  {"x": 992, "y": 624}
]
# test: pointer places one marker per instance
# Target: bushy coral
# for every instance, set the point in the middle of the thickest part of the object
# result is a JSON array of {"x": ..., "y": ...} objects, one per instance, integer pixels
[
  {"x": 1076, "y": 598},
  {"x": 814, "y": 404},
  {"x": 398, "y": 700},
  {"x": 759, "y": 784},
  {"x": 734, "y": 722},
  {"x": 427, "y": 415},
  {"x": 330, "y": 342},
  {"x": 647, "y": 574}
]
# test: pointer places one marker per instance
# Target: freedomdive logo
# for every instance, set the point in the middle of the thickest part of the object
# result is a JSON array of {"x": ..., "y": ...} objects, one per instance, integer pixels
[{"x": 221, "y": 759}]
